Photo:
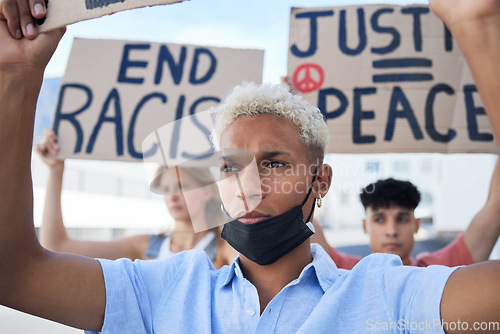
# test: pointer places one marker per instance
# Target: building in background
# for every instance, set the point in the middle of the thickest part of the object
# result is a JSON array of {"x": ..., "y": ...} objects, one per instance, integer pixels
[{"x": 104, "y": 200}]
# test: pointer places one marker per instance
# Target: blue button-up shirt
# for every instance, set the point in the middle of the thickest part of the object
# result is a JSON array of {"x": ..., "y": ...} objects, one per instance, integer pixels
[{"x": 185, "y": 294}]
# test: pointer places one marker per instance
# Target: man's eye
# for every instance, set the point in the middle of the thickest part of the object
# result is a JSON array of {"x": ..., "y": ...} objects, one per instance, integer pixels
[
  {"x": 379, "y": 220},
  {"x": 273, "y": 164},
  {"x": 276, "y": 164},
  {"x": 403, "y": 220},
  {"x": 228, "y": 169}
]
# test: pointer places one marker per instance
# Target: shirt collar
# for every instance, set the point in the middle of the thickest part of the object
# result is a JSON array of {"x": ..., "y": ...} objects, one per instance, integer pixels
[
  {"x": 235, "y": 267},
  {"x": 322, "y": 264},
  {"x": 324, "y": 267}
]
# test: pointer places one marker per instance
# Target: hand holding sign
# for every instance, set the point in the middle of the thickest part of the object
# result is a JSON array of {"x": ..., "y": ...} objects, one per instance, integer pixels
[
  {"x": 454, "y": 11},
  {"x": 19, "y": 17},
  {"x": 48, "y": 149}
]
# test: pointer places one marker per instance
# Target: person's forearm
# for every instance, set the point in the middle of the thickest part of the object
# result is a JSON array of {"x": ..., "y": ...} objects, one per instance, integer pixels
[
  {"x": 52, "y": 231},
  {"x": 18, "y": 95},
  {"x": 474, "y": 38},
  {"x": 494, "y": 201},
  {"x": 482, "y": 233},
  {"x": 484, "y": 229},
  {"x": 471, "y": 297},
  {"x": 476, "y": 28}
]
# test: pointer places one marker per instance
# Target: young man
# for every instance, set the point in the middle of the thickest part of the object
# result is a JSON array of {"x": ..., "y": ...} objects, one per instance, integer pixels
[
  {"x": 279, "y": 283},
  {"x": 391, "y": 225}
]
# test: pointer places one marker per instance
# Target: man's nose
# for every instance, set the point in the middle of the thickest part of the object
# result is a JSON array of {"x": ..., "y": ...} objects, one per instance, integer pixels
[
  {"x": 249, "y": 187},
  {"x": 391, "y": 228}
]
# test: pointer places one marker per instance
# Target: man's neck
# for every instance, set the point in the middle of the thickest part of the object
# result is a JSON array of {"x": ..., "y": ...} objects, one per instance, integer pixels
[{"x": 270, "y": 279}]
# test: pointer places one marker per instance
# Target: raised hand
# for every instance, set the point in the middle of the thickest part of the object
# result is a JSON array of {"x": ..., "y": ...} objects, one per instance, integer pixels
[
  {"x": 454, "y": 12},
  {"x": 17, "y": 32},
  {"x": 20, "y": 14},
  {"x": 48, "y": 149}
]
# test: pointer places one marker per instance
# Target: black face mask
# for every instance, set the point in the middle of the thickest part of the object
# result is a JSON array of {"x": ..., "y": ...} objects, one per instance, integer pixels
[{"x": 267, "y": 241}]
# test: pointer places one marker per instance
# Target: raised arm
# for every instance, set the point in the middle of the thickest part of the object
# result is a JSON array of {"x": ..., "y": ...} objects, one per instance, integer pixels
[
  {"x": 52, "y": 232},
  {"x": 53, "y": 235},
  {"x": 476, "y": 26},
  {"x": 484, "y": 229},
  {"x": 472, "y": 294},
  {"x": 65, "y": 288}
]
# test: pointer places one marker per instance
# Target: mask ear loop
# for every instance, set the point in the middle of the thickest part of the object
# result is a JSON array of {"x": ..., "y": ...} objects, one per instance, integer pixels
[
  {"x": 309, "y": 193},
  {"x": 311, "y": 187}
]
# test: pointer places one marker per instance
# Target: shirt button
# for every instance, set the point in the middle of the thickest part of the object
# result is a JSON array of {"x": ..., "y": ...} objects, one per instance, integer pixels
[{"x": 250, "y": 312}]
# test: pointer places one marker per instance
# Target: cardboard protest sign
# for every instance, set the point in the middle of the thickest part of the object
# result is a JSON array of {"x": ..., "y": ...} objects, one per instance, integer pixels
[
  {"x": 388, "y": 79},
  {"x": 63, "y": 12},
  {"x": 114, "y": 94}
]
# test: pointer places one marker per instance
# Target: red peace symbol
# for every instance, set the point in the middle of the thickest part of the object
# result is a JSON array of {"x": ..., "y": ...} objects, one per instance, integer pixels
[{"x": 304, "y": 80}]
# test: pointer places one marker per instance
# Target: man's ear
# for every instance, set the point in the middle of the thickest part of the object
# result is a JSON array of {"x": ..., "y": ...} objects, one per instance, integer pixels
[
  {"x": 324, "y": 179},
  {"x": 417, "y": 225},
  {"x": 364, "y": 226}
]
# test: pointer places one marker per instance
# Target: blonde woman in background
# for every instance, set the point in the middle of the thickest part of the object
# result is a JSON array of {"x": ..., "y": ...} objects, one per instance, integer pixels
[{"x": 204, "y": 205}]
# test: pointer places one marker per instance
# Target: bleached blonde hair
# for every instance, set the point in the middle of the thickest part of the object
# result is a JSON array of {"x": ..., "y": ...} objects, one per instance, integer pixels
[{"x": 250, "y": 99}]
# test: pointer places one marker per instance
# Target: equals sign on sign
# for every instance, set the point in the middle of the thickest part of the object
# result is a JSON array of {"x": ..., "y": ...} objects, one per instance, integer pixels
[
  {"x": 407, "y": 70},
  {"x": 93, "y": 4}
]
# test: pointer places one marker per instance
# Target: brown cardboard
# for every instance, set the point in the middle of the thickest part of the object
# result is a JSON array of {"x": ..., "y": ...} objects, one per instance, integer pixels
[
  {"x": 63, "y": 12},
  {"x": 352, "y": 68},
  {"x": 116, "y": 93}
]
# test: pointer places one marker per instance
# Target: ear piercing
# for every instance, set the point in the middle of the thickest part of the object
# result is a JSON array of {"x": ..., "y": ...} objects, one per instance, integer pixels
[{"x": 319, "y": 202}]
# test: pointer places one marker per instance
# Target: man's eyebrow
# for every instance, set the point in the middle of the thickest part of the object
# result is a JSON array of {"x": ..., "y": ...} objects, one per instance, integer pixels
[
  {"x": 263, "y": 155},
  {"x": 236, "y": 159},
  {"x": 272, "y": 154},
  {"x": 403, "y": 213},
  {"x": 228, "y": 157}
]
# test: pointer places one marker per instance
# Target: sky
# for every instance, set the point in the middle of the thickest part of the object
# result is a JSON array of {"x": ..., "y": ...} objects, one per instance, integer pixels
[{"x": 255, "y": 24}]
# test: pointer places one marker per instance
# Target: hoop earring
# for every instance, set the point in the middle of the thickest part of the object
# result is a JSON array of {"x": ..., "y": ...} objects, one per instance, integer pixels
[{"x": 319, "y": 202}]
